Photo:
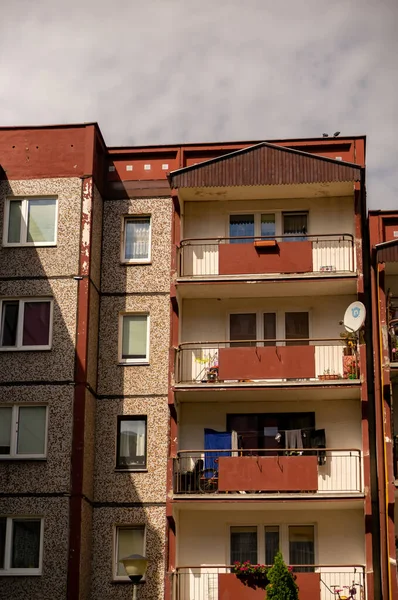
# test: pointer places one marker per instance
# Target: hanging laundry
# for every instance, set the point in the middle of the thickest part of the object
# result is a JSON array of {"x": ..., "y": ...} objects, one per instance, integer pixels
[{"x": 294, "y": 439}]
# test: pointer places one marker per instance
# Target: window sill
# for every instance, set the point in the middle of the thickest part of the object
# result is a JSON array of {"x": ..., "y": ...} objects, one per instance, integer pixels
[
  {"x": 26, "y": 349},
  {"x": 131, "y": 470},
  {"x": 135, "y": 262},
  {"x": 20, "y": 573},
  {"x": 45, "y": 245},
  {"x": 4, "y": 458},
  {"x": 133, "y": 364}
]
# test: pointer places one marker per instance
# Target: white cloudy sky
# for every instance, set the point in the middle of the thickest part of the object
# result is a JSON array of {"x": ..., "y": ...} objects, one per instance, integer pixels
[{"x": 169, "y": 71}]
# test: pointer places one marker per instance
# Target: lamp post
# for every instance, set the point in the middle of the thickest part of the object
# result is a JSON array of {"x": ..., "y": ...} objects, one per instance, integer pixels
[{"x": 135, "y": 566}]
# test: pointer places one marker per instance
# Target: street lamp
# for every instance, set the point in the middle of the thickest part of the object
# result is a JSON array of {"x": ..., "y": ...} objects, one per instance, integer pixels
[{"x": 135, "y": 566}]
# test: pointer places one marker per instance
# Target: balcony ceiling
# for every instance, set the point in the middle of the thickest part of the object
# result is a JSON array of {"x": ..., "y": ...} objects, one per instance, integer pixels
[{"x": 275, "y": 171}]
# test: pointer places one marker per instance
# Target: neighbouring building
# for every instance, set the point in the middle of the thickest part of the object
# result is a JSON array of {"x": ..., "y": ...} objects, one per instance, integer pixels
[{"x": 173, "y": 377}]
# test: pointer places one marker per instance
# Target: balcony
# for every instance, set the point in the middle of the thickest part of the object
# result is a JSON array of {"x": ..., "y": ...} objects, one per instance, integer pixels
[
  {"x": 325, "y": 255},
  {"x": 315, "y": 582},
  {"x": 215, "y": 473},
  {"x": 269, "y": 362}
]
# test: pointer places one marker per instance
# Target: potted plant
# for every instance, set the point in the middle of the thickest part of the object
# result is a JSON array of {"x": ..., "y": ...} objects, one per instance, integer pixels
[
  {"x": 253, "y": 576},
  {"x": 328, "y": 376},
  {"x": 282, "y": 584},
  {"x": 350, "y": 342}
]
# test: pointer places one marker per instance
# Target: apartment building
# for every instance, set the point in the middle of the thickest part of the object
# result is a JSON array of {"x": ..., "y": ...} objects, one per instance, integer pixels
[
  {"x": 174, "y": 381},
  {"x": 383, "y": 233}
]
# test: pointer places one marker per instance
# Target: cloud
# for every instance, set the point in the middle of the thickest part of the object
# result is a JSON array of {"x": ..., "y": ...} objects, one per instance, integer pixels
[{"x": 169, "y": 71}]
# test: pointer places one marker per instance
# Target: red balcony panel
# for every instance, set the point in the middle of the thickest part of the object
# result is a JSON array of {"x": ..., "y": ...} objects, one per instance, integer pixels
[
  {"x": 285, "y": 257},
  {"x": 230, "y": 588},
  {"x": 268, "y": 473},
  {"x": 270, "y": 362}
]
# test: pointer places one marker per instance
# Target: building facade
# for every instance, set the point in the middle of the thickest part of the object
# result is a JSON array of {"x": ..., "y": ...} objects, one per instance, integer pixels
[{"x": 174, "y": 379}]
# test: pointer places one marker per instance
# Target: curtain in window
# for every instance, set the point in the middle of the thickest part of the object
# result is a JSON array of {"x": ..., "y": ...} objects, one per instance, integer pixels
[
  {"x": 41, "y": 220},
  {"x": 241, "y": 225},
  {"x": 268, "y": 227},
  {"x": 294, "y": 224},
  {"x": 244, "y": 544},
  {"x": 134, "y": 344},
  {"x": 301, "y": 547},
  {"x": 297, "y": 328},
  {"x": 9, "y": 322},
  {"x": 132, "y": 442},
  {"x": 14, "y": 222},
  {"x": 25, "y": 544},
  {"x": 31, "y": 430},
  {"x": 243, "y": 327},
  {"x": 137, "y": 239},
  {"x": 269, "y": 328},
  {"x": 130, "y": 540},
  {"x": 271, "y": 544},
  {"x": 5, "y": 429},
  {"x": 36, "y": 324}
]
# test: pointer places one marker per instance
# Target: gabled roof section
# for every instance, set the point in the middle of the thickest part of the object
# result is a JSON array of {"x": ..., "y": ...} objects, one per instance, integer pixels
[
  {"x": 264, "y": 164},
  {"x": 387, "y": 251}
]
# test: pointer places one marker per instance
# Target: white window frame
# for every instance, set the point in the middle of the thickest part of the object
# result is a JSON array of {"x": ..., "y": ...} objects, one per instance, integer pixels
[
  {"x": 116, "y": 528},
  {"x": 14, "y": 433},
  {"x": 283, "y": 539},
  {"x": 134, "y": 361},
  {"x": 8, "y": 571},
  {"x": 280, "y": 322},
  {"x": 278, "y": 220},
  {"x": 18, "y": 346},
  {"x": 24, "y": 221},
  {"x": 135, "y": 261}
]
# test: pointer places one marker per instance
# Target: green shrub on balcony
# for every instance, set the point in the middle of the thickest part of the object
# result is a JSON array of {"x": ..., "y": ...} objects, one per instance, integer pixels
[{"x": 282, "y": 585}]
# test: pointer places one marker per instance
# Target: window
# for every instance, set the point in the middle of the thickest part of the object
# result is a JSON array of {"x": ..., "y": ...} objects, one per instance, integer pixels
[
  {"x": 128, "y": 540},
  {"x": 243, "y": 327},
  {"x": 135, "y": 338},
  {"x": 30, "y": 222},
  {"x": 131, "y": 443},
  {"x": 302, "y": 547},
  {"x": 271, "y": 538},
  {"x": 137, "y": 239},
  {"x": 295, "y": 226},
  {"x": 297, "y": 328},
  {"x": 26, "y": 324},
  {"x": 244, "y": 544},
  {"x": 269, "y": 328},
  {"x": 251, "y": 225},
  {"x": 23, "y": 431},
  {"x": 20, "y": 545}
]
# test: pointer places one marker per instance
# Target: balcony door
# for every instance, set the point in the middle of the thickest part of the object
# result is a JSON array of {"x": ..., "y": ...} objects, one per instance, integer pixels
[{"x": 297, "y": 328}]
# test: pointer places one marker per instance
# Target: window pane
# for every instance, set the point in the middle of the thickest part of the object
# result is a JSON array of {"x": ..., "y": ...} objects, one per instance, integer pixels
[
  {"x": 134, "y": 343},
  {"x": 301, "y": 547},
  {"x": 268, "y": 225},
  {"x": 132, "y": 443},
  {"x": 31, "y": 430},
  {"x": 271, "y": 544},
  {"x": 297, "y": 328},
  {"x": 9, "y": 323},
  {"x": 243, "y": 327},
  {"x": 41, "y": 220},
  {"x": 25, "y": 544},
  {"x": 130, "y": 540},
  {"x": 3, "y": 524},
  {"x": 269, "y": 328},
  {"x": 5, "y": 429},
  {"x": 137, "y": 238},
  {"x": 14, "y": 222},
  {"x": 36, "y": 324},
  {"x": 244, "y": 544},
  {"x": 241, "y": 225},
  {"x": 295, "y": 225}
]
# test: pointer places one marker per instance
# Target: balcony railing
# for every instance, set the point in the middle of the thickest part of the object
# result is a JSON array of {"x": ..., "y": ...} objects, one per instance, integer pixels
[
  {"x": 273, "y": 361},
  {"x": 283, "y": 471},
  {"x": 301, "y": 253},
  {"x": 315, "y": 582}
]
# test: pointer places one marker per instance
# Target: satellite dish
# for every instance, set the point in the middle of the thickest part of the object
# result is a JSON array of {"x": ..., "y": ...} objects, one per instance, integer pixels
[{"x": 354, "y": 316}]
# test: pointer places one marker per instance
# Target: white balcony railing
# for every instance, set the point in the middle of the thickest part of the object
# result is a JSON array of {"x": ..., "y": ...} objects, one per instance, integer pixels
[
  {"x": 327, "y": 253},
  {"x": 265, "y": 360},
  {"x": 202, "y": 583}
]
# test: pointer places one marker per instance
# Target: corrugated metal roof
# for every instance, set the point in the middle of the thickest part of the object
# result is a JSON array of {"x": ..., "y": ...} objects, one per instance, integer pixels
[
  {"x": 264, "y": 164},
  {"x": 387, "y": 251}
]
